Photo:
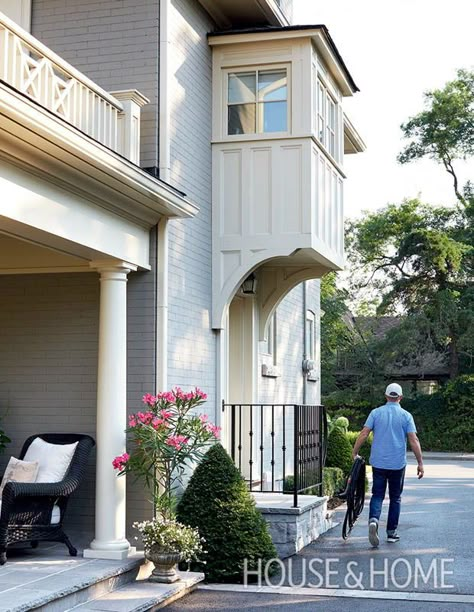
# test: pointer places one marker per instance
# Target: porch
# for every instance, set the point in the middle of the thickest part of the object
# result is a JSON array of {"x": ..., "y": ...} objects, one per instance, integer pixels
[
  {"x": 48, "y": 579},
  {"x": 78, "y": 219}
]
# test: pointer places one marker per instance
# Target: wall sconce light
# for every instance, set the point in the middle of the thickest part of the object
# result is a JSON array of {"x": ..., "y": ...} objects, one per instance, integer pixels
[{"x": 249, "y": 286}]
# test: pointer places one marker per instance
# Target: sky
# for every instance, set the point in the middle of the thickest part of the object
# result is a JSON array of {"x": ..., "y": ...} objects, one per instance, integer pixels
[{"x": 395, "y": 50}]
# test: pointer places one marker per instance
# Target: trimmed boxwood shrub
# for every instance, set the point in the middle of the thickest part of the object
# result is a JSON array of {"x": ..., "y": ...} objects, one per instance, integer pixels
[
  {"x": 333, "y": 481},
  {"x": 339, "y": 451},
  {"x": 365, "y": 448},
  {"x": 218, "y": 503}
]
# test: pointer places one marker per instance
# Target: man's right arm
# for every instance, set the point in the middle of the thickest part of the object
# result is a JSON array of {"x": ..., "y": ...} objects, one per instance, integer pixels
[{"x": 416, "y": 448}]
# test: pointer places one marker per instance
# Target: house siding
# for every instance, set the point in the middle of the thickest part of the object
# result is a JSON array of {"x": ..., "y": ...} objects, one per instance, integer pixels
[
  {"x": 48, "y": 361},
  {"x": 49, "y": 325},
  {"x": 114, "y": 43},
  {"x": 191, "y": 349}
]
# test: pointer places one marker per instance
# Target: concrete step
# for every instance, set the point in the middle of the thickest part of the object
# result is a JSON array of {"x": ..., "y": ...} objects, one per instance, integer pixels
[
  {"x": 141, "y": 595},
  {"x": 85, "y": 583}
]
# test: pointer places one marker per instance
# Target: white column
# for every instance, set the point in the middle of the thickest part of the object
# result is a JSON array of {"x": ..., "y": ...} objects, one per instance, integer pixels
[{"x": 110, "y": 524}]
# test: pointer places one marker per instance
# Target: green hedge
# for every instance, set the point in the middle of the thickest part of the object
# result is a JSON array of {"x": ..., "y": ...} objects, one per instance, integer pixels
[
  {"x": 333, "y": 481},
  {"x": 365, "y": 448},
  {"x": 339, "y": 451},
  {"x": 445, "y": 420},
  {"x": 218, "y": 503}
]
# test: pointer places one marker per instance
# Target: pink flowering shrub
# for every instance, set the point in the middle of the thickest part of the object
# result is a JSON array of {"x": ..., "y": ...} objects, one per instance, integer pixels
[{"x": 164, "y": 438}]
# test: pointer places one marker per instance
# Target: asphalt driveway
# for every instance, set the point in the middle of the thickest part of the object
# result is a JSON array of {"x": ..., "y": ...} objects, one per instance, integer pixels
[{"x": 434, "y": 558}]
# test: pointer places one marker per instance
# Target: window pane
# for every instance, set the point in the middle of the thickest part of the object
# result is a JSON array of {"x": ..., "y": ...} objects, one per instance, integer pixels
[
  {"x": 272, "y": 85},
  {"x": 274, "y": 116},
  {"x": 242, "y": 87},
  {"x": 241, "y": 119}
]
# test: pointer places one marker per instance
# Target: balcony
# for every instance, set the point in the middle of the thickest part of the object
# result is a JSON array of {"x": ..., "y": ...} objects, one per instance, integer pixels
[
  {"x": 31, "y": 68},
  {"x": 279, "y": 139},
  {"x": 70, "y": 171}
]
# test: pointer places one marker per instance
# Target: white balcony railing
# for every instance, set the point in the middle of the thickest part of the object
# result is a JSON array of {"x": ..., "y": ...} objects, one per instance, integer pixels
[{"x": 36, "y": 71}]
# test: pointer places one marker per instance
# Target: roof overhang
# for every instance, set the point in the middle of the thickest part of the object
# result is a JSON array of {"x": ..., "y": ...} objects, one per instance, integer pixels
[
  {"x": 228, "y": 13},
  {"x": 319, "y": 34},
  {"x": 46, "y": 144},
  {"x": 353, "y": 142}
]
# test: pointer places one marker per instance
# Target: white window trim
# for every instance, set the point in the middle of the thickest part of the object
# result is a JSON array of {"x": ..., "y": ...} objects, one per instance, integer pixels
[
  {"x": 310, "y": 350},
  {"x": 270, "y": 369},
  {"x": 225, "y": 97}
]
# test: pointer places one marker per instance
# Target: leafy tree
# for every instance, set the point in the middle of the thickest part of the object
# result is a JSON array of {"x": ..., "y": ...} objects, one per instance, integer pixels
[
  {"x": 412, "y": 255},
  {"x": 444, "y": 131},
  {"x": 420, "y": 258}
]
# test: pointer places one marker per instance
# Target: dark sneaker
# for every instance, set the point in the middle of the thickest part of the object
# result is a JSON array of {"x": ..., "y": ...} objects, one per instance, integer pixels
[
  {"x": 374, "y": 532},
  {"x": 393, "y": 537}
]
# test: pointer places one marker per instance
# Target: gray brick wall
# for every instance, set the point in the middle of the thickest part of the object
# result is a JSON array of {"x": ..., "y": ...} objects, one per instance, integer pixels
[
  {"x": 288, "y": 387},
  {"x": 48, "y": 365},
  {"x": 191, "y": 340},
  {"x": 113, "y": 42}
]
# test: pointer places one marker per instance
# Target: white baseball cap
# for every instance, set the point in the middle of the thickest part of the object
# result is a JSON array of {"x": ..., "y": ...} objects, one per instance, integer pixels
[{"x": 393, "y": 390}]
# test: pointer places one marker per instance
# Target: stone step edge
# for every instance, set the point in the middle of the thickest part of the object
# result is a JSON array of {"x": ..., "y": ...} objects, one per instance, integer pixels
[
  {"x": 144, "y": 596},
  {"x": 111, "y": 579}
]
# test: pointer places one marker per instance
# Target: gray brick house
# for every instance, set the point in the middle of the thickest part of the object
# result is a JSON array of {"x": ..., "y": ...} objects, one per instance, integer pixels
[{"x": 182, "y": 148}]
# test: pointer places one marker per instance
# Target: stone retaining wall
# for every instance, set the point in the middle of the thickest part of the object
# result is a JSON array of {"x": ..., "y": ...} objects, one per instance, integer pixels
[{"x": 292, "y": 529}]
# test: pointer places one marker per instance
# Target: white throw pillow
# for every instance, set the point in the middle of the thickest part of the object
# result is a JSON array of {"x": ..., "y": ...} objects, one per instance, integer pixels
[
  {"x": 19, "y": 471},
  {"x": 53, "y": 459}
]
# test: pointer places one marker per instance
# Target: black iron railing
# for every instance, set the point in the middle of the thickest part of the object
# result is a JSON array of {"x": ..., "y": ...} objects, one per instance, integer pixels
[{"x": 278, "y": 447}]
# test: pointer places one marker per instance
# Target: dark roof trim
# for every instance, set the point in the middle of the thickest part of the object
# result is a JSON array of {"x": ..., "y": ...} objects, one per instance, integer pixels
[{"x": 294, "y": 28}]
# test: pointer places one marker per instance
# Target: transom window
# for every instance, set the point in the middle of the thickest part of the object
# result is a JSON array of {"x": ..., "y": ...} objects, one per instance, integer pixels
[{"x": 257, "y": 101}]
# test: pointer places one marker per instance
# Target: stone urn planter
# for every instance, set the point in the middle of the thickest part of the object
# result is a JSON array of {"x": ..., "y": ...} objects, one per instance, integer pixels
[{"x": 165, "y": 565}]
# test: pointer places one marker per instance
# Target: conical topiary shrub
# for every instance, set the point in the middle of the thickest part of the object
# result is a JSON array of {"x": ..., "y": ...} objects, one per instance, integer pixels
[
  {"x": 339, "y": 451},
  {"x": 217, "y": 502}
]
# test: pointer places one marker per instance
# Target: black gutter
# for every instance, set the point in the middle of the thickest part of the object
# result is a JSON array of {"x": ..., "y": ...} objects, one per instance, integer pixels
[{"x": 294, "y": 28}]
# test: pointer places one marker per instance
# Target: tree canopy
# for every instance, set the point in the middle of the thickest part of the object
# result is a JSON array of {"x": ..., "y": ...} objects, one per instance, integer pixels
[{"x": 415, "y": 260}]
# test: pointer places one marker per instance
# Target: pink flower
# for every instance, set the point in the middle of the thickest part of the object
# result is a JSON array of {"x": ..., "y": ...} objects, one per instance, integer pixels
[
  {"x": 213, "y": 429},
  {"x": 120, "y": 462},
  {"x": 203, "y": 418},
  {"x": 199, "y": 394},
  {"x": 132, "y": 421},
  {"x": 166, "y": 414},
  {"x": 176, "y": 441},
  {"x": 156, "y": 422},
  {"x": 149, "y": 399},
  {"x": 145, "y": 417}
]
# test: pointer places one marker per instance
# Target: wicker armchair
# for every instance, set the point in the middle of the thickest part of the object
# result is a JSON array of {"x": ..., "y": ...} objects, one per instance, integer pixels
[{"x": 27, "y": 508}]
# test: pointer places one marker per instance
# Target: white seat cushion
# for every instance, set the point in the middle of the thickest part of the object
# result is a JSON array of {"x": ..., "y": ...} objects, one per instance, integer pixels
[
  {"x": 53, "y": 459},
  {"x": 56, "y": 515}
]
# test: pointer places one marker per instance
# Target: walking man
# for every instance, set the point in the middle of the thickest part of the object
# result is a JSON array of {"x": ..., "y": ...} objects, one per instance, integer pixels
[{"x": 391, "y": 425}]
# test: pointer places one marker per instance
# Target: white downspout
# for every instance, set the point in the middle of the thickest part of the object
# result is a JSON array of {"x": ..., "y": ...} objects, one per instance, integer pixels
[{"x": 164, "y": 154}]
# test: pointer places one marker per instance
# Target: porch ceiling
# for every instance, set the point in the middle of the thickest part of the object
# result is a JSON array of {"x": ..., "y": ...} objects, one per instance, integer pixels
[{"x": 20, "y": 256}]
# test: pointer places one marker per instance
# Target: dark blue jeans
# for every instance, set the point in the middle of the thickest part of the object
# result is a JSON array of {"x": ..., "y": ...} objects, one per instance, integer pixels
[{"x": 395, "y": 479}]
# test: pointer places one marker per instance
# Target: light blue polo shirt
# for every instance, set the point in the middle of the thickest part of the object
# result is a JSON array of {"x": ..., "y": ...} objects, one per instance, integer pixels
[{"x": 390, "y": 424}]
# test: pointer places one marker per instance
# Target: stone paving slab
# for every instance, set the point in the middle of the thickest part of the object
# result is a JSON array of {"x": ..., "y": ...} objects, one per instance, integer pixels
[
  {"x": 47, "y": 578},
  {"x": 142, "y": 595}
]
